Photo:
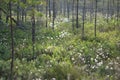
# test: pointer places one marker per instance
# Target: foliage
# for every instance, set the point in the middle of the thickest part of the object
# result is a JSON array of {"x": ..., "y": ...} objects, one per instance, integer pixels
[{"x": 60, "y": 54}]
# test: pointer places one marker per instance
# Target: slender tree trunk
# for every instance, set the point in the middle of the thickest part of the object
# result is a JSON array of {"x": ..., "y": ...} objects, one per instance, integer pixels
[
  {"x": 95, "y": 18},
  {"x": 113, "y": 7},
  {"x": 61, "y": 8},
  {"x": 77, "y": 23},
  {"x": 110, "y": 7},
  {"x": 53, "y": 14},
  {"x": 46, "y": 12},
  {"x": 12, "y": 43},
  {"x": 73, "y": 14},
  {"x": 64, "y": 8},
  {"x": 0, "y": 15},
  {"x": 22, "y": 16},
  {"x": 83, "y": 19},
  {"x": 18, "y": 10},
  {"x": 118, "y": 2},
  {"x": 23, "y": 12},
  {"x": 49, "y": 10},
  {"x": 33, "y": 32},
  {"x": 103, "y": 8},
  {"x": 91, "y": 12},
  {"x": 108, "y": 10},
  {"x": 25, "y": 16},
  {"x": 68, "y": 9}
]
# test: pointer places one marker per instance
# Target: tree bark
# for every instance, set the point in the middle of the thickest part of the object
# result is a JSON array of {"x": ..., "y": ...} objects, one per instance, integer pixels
[
  {"x": 77, "y": 23},
  {"x": 68, "y": 9},
  {"x": 95, "y": 18},
  {"x": 108, "y": 10},
  {"x": 49, "y": 10},
  {"x": 73, "y": 14},
  {"x": 46, "y": 12},
  {"x": 103, "y": 3},
  {"x": 118, "y": 2},
  {"x": 64, "y": 8},
  {"x": 12, "y": 43},
  {"x": 53, "y": 14},
  {"x": 18, "y": 14},
  {"x": 83, "y": 19},
  {"x": 0, "y": 15},
  {"x": 33, "y": 32},
  {"x": 91, "y": 12}
]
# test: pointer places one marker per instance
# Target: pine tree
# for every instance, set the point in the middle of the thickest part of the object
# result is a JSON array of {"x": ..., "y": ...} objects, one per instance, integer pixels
[
  {"x": 12, "y": 42},
  {"x": 73, "y": 3},
  {"x": 83, "y": 19},
  {"x": 18, "y": 12},
  {"x": 46, "y": 13},
  {"x": 95, "y": 18},
  {"x": 53, "y": 14},
  {"x": 77, "y": 6},
  {"x": 33, "y": 30}
]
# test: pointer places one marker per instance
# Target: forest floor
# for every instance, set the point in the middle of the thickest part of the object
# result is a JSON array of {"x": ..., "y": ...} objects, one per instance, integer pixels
[{"x": 61, "y": 54}]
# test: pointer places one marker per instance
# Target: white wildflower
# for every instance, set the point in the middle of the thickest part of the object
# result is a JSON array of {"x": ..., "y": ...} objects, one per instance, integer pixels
[
  {"x": 96, "y": 60},
  {"x": 106, "y": 67},
  {"x": 100, "y": 63}
]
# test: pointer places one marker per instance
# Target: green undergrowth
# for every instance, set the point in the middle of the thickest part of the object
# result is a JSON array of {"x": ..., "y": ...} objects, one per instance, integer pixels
[{"x": 62, "y": 54}]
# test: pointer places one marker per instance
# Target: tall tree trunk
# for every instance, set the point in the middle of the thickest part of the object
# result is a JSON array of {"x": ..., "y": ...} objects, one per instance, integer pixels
[
  {"x": 33, "y": 32},
  {"x": 0, "y": 15},
  {"x": 25, "y": 15},
  {"x": 64, "y": 8},
  {"x": 77, "y": 23},
  {"x": 53, "y": 14},
  {"x": 103, "y": 3},
  {"x": 113, "y": 4},
  {"x": 83, "y": 19},
  {"x": 73, "y": 4},
  {"x": 118, "y": 3},
  {"x": 12, "y": 42},
  {"x": 61, "y": 8},
  {"x": 91, "y": 11},
  {"x": 68, "y": 8},
  {"x": 22, "y": 16},
  {"x": 49, "y": 9},
  {"x": 108, "y": 9},
  {"x": 18, "y": 10},
  {"x": 95, "y": 18},
  {"x": 46, "y": 12}
]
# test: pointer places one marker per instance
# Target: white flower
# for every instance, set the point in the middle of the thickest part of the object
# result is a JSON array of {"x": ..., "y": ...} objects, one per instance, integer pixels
[
  {"x": 96, "y": 60},
  {"x": 16, "y": 67},
  {"x": 51, "y": 37},
  {"x": 111, "y": 68},
  {"x": 108, "y": 75},
  {"x": 93, "y": 67},
  {"x": 73, "y": 59},
  {"x": 106, "y": 67},
  {"x": 100, "y": 63},
  {"x": 118, "y": 58},
  {"x": 91, "y": 59},
  {"x": 53, "y": 78},
  {"x": 83, "y": 59},
  {"x": 97, "y": 56}
]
